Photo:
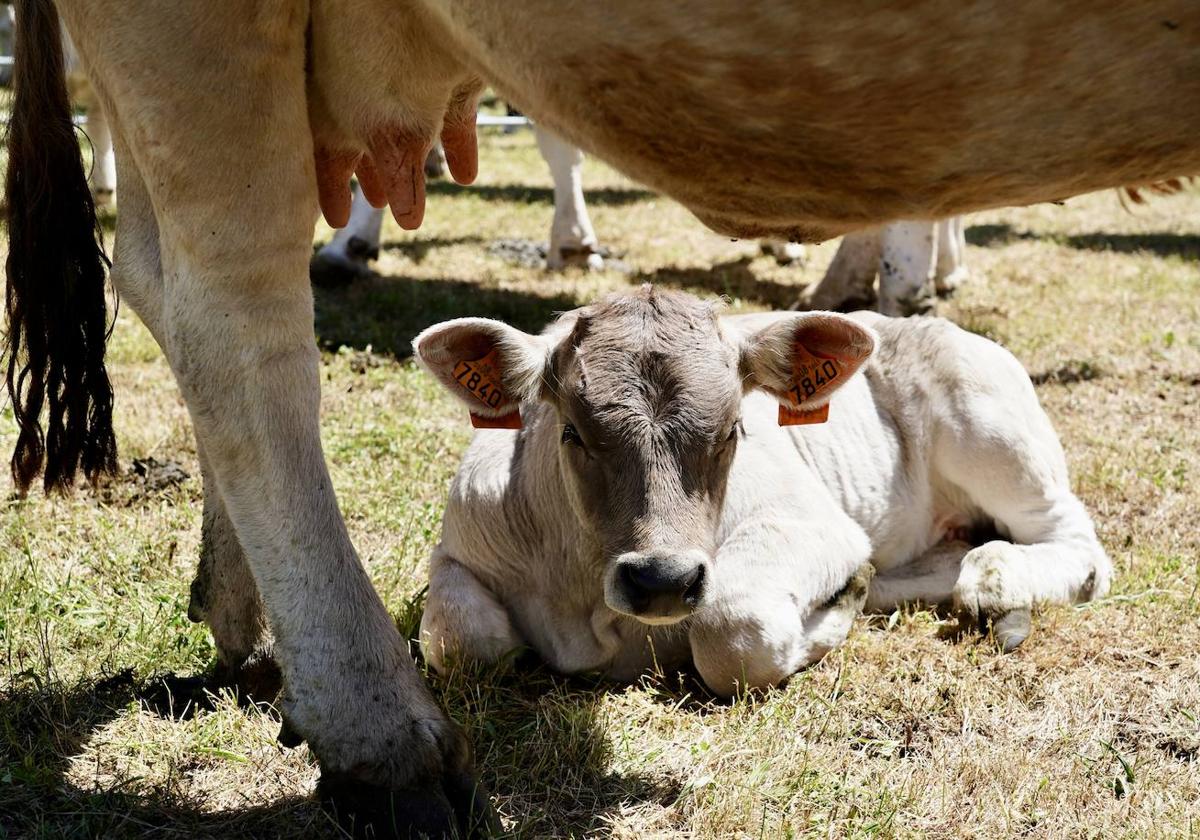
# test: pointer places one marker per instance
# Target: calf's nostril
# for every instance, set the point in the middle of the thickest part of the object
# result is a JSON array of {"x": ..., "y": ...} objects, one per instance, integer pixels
[
  {"x": 656, "y": 579},
  {"x": 646, "y": 579},
  {"x": 695, "y": 587}
]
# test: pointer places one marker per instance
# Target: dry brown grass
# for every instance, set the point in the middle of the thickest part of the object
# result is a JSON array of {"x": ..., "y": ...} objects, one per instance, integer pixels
[{"x": 1090, "y": 729}]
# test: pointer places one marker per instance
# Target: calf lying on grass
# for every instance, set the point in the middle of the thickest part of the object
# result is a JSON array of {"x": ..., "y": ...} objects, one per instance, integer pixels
[{"x": 653, "y": 509}]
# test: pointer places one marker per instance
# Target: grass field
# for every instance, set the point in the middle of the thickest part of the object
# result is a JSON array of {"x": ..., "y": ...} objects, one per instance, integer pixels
[{"x": 1091, "y": 729}]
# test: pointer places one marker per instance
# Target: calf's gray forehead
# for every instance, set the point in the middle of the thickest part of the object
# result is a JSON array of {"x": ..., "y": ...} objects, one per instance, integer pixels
[{"x": 649, "y": 366}]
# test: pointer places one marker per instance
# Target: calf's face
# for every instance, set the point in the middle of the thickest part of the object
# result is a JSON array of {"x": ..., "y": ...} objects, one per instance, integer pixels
[{"x": 647, "y": 389}]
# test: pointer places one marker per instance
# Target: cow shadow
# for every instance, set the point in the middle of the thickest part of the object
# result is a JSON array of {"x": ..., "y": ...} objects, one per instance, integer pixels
[
  {"x": 543, "y": 744},
  {"x": 1183, "y": 245},
  {"x": 524, "y": 194},
  {"x": 386, "y": 313},
  {"x": 418, "y": 248},
  {"x": 733, "y": 278},
  {"x": 45, "y": 726}
]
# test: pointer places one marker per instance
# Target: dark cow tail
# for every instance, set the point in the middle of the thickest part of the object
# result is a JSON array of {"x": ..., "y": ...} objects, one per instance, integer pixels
[{"x": 56, "y": 307}]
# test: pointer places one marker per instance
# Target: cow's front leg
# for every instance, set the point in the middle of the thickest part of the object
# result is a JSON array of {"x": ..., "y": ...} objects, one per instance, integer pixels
[
  {"x": 783, "y": 594},
  {"x": 849, "y": 282},
  {"x": 230, "y": 196}
]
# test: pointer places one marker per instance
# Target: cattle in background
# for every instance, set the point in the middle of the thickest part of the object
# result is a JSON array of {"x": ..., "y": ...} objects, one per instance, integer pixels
[
  {"x": 773, "y": 119},
  {"x": 914, "y": 261},
  {"x": 686, "y": 487},
  {"x": 572, "y": 238},
  {"x": 102, "y": 177}
]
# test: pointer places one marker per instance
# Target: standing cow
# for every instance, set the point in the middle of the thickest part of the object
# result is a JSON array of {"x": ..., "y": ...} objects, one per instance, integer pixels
[
  {"x": 654, "y": 508},
  {"x": 233, "y": 121}
]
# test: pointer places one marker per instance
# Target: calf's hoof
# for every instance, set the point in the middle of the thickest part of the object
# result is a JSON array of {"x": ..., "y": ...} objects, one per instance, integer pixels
[
  {"x": 1012, "y": 628},
  {"x": 451, "y": 804},
  {"x": 986, "y": 594}
]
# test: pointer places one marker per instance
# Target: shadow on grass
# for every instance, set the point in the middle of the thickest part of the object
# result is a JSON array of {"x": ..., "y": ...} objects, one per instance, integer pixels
[
  {"x": 388, "y": 312},
  {"x": 523, "y": 194},
  {"x": 542, "y": 744},
  {"x": 733, "y": 278},
  {"x": 417, "y": 249},
  {"x": 43, "y": 727},
  {"x": 1183, "y": 245}
]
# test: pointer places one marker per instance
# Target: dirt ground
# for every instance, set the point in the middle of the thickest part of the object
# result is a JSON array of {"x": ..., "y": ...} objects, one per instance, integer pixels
[{"x": 1091, "y": 729}]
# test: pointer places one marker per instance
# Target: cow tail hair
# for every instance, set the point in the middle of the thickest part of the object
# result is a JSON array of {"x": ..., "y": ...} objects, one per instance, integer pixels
[{"x": 55, "y": 302}]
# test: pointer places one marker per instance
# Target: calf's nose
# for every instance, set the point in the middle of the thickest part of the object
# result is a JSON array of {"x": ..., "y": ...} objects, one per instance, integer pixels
[{"x": 660, "y": 588}]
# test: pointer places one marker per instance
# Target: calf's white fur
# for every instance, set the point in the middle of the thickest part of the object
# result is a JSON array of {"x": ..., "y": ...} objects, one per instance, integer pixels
[{"x": 940, "y": 433}]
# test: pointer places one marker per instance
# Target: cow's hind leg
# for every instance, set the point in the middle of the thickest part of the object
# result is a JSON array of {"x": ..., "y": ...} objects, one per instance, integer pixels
[
  {"x": 347, "y": 255},
  {"x": 572, "y": 238},
  {"x": 951, "y": 256},
  {"x": 225, "y": 597}
]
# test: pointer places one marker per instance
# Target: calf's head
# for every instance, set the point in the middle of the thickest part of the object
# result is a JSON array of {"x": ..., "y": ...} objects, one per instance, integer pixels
[{"x": 646, "y": 393}]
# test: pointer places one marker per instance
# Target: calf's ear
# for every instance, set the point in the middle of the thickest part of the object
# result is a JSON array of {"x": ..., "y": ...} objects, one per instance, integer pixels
[
  {"x": 490, "y": 366},
  {"x": 803, "y": 359}
]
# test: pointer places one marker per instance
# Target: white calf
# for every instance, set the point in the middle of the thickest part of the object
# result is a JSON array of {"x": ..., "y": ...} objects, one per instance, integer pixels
[{"x": 653, "y": 510}]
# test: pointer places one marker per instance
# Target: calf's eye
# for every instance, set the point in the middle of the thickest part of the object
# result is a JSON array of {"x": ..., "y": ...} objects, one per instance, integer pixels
[
  {"x": 733, "y": 431},
  {"x": 571, "y": 436}
]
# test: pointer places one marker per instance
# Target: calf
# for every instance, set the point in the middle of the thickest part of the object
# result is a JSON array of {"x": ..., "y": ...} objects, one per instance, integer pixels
[{"x": 675, "y": 492}]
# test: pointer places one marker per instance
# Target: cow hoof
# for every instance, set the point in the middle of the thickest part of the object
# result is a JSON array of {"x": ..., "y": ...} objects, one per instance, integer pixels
[
  {"x": 104, "y": 199},
  {"x": 587, "y": 256},
  {"x": 1012, "y": 628},
  {"x": 853, "y": 595},
  {"x": 853, "y": 303},
  {"x": 921, "y": 304},
  {"x": 452, "y": 806},
  {"x": 328, "y": 271},
  {"x": 948, "y": 284},
  {"x": 785, "y": 253}
]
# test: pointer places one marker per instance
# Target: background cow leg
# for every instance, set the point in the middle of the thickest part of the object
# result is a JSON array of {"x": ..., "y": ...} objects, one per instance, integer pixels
[
  {"x": 906, "y": 267},
  {"x": 849, "y": 282},
  {"x": 572, "y": 239},
  {"x": 352, "y": 248},
  {"x": 103, "y": 177},
  {"x": 951, "y": 269}
]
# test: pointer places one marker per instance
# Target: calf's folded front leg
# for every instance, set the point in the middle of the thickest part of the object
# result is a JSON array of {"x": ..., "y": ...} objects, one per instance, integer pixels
[
  {"x": 463, "y": 620},
  {"x": 783, "y": 595}
]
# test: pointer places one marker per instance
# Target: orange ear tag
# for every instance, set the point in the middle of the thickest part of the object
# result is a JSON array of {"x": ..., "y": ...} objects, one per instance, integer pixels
[
  {"x": 481, "y": 378},
  {"x": 812, "y": 377}
]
